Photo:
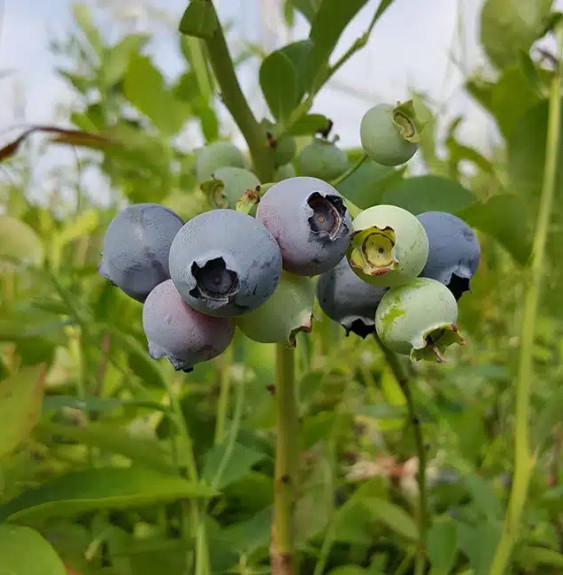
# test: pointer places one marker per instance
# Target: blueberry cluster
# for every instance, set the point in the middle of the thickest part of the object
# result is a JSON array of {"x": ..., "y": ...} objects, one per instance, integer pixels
[{"x": 386, "y": 271}]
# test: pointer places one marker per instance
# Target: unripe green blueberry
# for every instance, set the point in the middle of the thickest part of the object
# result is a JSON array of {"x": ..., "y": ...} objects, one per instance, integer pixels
[
  {"x": 236, "y": 181},
  {"x": 283, "y": 148},
  {"x": 418, "y": 318},
  {"x": 390, "y": 134},
  {"x": 286, "y": 313},
  {"x": 322, "y": 159},
  {"x": 284, "y": 172},
  {"x": 214, "y": 156},
  {"x": 389, "y": 246}
]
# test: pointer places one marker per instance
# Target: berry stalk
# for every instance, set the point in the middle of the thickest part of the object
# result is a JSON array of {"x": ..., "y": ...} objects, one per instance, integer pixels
[
  {"x": 236, "y": 103},
  {"x": 287, "y": 463},
  {"x": 523, "y": 458},
  {"x": 400, "y": 374}
]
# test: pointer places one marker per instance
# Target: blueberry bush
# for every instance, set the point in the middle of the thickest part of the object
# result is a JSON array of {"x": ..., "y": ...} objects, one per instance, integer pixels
[{"x": 284, "y": 357}]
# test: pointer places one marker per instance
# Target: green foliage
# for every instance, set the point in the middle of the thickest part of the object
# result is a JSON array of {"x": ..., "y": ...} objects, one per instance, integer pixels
[{"x": 116, "y": 470}]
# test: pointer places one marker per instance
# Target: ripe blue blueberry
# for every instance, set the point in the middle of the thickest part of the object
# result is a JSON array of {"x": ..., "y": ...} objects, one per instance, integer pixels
[
  {"x": 136, "y": 248},
  {"x": 454, "y": 251},
  {"x": 224, "y": 263},
  {"x": 180, "y": 333},
  {"x": 322, "y": 159},
  {"x": 348, "y": 300},
  {"x": 310, "y": 222},
  {"x": 214, "y": 156}
]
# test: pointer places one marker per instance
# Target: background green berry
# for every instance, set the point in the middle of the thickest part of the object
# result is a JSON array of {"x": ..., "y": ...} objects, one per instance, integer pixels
[
  {"x": 388, "y": 136},
  {"x": 284, "y": 172},
  {"x": 214, "y": 156},
  {"x": 321, "y": 159},
  {"x": 236, "y": 181}
]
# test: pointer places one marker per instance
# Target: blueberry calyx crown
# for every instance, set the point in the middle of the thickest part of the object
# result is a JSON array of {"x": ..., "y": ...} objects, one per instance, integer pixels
[{"x": 373, "y": 250}]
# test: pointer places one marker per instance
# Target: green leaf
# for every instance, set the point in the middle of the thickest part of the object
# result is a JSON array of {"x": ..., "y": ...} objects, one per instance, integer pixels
[
  {"x": 442, "y": 545},
  {"x": 511, "y": 26},
  {"x": 112, "y": 438},
  {"x": 97, "y": 489},
  {"x": 199, "y": 20},
  {"x": 83, "y": 17},
  {"x": 307, "y": 7},
  {"x": 479, "y": 543},
  {"x": 507, "y": 109},
  {"x": 526, "y": 151},
  {"x": 116, "y": 58},
  {"x": 530, "y": 557},
  {"x": 393, "y": 516},
  {"x": 278, "y": 80},
  {"x": 144, "y": 87},
  {"x": 348, "y": 570},
  {"x": 309, "y": 124},
  {"x": 365, "y": 187},
  {"x": 240, "y": 462},
  {"x": 246, "y": 536},
  {"x": 18, "y": 242},
  {"x": 504, "y": 218},
  {"x": 21, "y": 395},
  {"x": 326, "y": 28},
  {"x": 299, "y": 54},
  {"x": 22, "y": 549},
  {"x": 548, "y": 417},
  {"x": 429, "y": 193}
]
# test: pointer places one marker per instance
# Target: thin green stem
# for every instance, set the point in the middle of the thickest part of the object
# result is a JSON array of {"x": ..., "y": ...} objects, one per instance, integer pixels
[
  {"x": 349, "y": 171},
  {"x": 287, "y": 463},
  {"x": 233, "y": 434},
  {"x": 523, "y": 458},
  {"x": 358, "y": 44},
  {"x": 236, "y": 103},
  {"x": 191, "y": 512},
  {"x": 402, "y": 377},
  {"x": 224, "y": 392}
]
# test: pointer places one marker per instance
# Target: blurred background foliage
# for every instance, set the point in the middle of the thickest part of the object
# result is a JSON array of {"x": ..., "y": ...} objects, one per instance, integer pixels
[{"x": 96, "y": 442}]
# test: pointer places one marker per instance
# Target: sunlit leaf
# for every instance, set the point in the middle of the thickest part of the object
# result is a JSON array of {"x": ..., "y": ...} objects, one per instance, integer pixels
[
  {"x": 511, "y": 26},
  {"x": 21, "y": 395},
  {"x": 110, "y": 438},
  {"x": 116, "y": 58},
  {"x": 97, "y": 489},
  {"x": 23, "y": 550},
  {"x": 18, "y": 242}
]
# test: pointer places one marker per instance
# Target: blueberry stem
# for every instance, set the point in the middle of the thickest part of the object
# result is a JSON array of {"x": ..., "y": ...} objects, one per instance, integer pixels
[
  {"x": 349, "y": 171},
  {"x": 524, "y": 458},
  {"x": 402, "y": 377},
  {"x": 287, "y": 463},
  {"x": 236, "y": 103},
  {"x": 224, "y": 392}
]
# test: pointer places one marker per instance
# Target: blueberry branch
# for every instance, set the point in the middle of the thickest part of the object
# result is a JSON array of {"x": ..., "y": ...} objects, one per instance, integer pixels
[
  {"x": 402, "y": 377},
  {"x": 358, "y": 45},
  {"x": 523, "y": 458},
  {"x": 287, "y": 463},
  {"x": 349, "y": 171},
  {"x": 236, "y": 103}
]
